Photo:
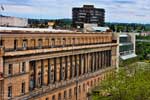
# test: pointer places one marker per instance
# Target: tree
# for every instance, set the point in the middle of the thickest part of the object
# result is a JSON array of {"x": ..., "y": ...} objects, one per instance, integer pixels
[{"x": 131, "y": 83}]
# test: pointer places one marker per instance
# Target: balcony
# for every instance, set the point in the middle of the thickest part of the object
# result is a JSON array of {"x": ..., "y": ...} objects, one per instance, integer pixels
[{"x": 58, "y": 85}]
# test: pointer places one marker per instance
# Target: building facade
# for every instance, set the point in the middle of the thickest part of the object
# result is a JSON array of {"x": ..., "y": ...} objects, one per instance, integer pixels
[
  {"x": 127, "y": 44},
  {"x": 13, "y": 21},
  {"x": 88, "y": 14},
  {"x": 36, "y": 65}
]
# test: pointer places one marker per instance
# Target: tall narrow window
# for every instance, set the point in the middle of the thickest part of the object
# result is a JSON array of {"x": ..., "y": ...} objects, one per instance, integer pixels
[
  {"x": 47, "y": 98},
  {"x": 75, "y": 90},
  {"x": 10, "y": 91},
  {"x": 65, "y": 95},
  {"x": 23, "y": 66},
  {"x": 64, "y": 42},
  {"x": 1, "y": 42},
  {"x": 59, "y": 96},
  {"x": 53, "y": 43},
  {"x": 10, "y": 69},
  {"x": 15, "y": 44},
  {"x": 53, "y": 97},
  {"x": 32, "y": 44},
  {"x": 24, "y": 44},
  {"x": 70, "y": 93},
  {"x": 23, "y": 88},
  {"x": 40, "y": 43}
]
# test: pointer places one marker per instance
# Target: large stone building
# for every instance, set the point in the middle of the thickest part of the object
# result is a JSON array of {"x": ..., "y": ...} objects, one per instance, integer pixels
[
  {"x": 53, "y": 65},
  {"x": 88, "y": 14}
]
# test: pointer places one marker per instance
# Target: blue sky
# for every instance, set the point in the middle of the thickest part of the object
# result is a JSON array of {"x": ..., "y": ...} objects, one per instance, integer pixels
[{"x": 129, "y": 11}]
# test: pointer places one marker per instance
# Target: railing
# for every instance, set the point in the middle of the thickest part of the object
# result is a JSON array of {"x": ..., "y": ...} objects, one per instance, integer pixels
[{"x": 57, "y": 85}]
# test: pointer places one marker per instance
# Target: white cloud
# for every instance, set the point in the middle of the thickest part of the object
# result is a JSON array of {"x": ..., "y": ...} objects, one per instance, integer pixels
[{"x": 116, "y": 10}]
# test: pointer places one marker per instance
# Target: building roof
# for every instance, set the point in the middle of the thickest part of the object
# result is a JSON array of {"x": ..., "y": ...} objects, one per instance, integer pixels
[
  {"x": 8, "y": 29},
  {"x": 101, "y": 29}
]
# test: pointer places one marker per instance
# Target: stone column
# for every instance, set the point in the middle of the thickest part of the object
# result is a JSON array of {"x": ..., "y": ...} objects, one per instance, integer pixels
[
  {"x": 55, "y": 71},
  {"x": 49, "y": 72},
  {"x": 88, "y": 62},
  {"x": 80, "y": 61},
  {"x": 98, "y": 60},
  {"x": 66, "y": 67},
  {"x": 101, "y": 59},
  {"x": 92, "y": 62},
  {"x": 35, "y": 75},
  {"x": 61, "y": 70},
  {"x": 42, "y": 72},
  {"x": 70, "y": 59},
  {"x": 75, "y": 69},
  {"x": 85, "y": 67}
]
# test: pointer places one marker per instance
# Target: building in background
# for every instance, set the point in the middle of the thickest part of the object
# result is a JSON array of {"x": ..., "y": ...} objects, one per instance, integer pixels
[
  {"x": 88, "y": 14},
  {"x": 13, "y": 21},
  {"x": 145, "y": 34},
  {"x": 49, "y": 64},
  {"x": 95, "y": 28},
  {"x": 127, "y": 44}
]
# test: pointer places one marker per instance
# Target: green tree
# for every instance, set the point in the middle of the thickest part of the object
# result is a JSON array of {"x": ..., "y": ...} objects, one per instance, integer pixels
[{"x": 130, "y": 83}]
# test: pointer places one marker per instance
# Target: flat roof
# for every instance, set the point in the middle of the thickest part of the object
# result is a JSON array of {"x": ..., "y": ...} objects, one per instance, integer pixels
[{"x": 8, "y": 29}]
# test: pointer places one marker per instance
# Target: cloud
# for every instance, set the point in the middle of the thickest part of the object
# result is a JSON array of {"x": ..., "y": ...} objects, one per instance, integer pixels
[
  {"x": 116, "y": 10},
  {"x": 125, "y": 1}
]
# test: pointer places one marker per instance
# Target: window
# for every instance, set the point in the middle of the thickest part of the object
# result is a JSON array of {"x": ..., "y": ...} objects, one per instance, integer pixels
[
  {"x": 24, "y": 44},
  {"x": 53, "y": 42},
  {"x": 79, "y": 89},
  {"x": 53, "y": 97},
  {"x": 64, "y": 42},
  {"x": 10, "y": 91},
  {"x": 83, "y": 87},
  {"x": 73, "y": 41},
  {"x": 10, "y": 69},
  {"x": 1, "y": 42},
  {"x": 65, "y": 95},
  {"x": 23, "y": 66},
  {"x": 70, "y": 93},
  {"x": 59, "y": 96},
  {"x": 75, "y": 90},
  {"x": 40, "y": 43},
  {"x": 23, "y": 88},
  {"x": 32, "y": 43},
  {"x": 47, "y": 98},
  {"x": 46, "y": 42},
  {"x": 15, "y": 44}
]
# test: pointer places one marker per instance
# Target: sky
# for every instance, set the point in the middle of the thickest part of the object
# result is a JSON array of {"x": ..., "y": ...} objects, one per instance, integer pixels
[{"x": 125, "y": 11}]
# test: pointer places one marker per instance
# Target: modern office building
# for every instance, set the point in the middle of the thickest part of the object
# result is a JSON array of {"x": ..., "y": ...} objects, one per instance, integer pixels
[
  {"x": 44, "y": 64},
  {"x": 88, "y": 14},
  {"x": 127, "y": 43}
]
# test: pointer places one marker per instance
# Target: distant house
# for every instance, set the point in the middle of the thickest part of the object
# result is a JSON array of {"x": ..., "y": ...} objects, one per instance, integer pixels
[{"x": 145, "y": 34}]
